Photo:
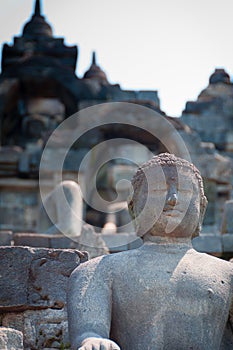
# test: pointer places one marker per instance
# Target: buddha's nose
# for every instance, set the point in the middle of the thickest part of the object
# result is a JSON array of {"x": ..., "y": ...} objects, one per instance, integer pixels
[{"x": 172, "y": 198}]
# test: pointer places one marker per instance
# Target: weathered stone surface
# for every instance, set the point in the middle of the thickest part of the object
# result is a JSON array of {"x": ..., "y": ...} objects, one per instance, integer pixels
[
  {"x": 18, "y": 205},
  {"x": 117, "y": 242},
  {"x": 88, "y": 241},
  {"x": 227, "y": 222},
  {"x": 215, "y": 167},
  {"x": 14, "y": 270},
  {"x": 61, "y": 242},
  {"x": 32, "y": 240},
  {"x": 9, "y": 159},
  {"x": 211, "y": 114},
  {"x": 61, "y": 93},
  {"x": 227, "y": 242},
  {"x": 41, "y": 328},
  {"x": 35, "y": 278},
  {"x": 164, "y": 295},
  {"x": 62, "y": 210},
  {"x": 48, "y": 277},
  {"x": 5, "y": 238},
  {"x": 211, "y": 194},
  {"x": 208, "y": 243},
  {"x": 10, "y": 339},
  {"x": 135, "y": 243},
  {"x": 91, "y": 242},
  {"x": 211, "y": 118},
  {"x": 216, "y": 170}
]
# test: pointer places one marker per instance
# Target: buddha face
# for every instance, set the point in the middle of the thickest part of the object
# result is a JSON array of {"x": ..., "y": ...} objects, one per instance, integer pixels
[{"x": 168, "y": 202}]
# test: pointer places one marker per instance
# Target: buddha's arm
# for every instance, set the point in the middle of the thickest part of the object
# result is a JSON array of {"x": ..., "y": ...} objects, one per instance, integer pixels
[
  {"x": 230, "y": 320},
  {"x": 89, "y": 306},
  {"x": 227, "y": 340}
]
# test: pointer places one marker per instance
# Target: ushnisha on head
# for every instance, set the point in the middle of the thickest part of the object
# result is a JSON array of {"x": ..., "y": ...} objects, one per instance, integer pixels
[{"x": 172, "y": 169}]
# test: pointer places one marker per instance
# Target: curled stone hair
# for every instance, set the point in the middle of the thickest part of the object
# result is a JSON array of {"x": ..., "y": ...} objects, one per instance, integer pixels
[{"x": 167, "y": 159}]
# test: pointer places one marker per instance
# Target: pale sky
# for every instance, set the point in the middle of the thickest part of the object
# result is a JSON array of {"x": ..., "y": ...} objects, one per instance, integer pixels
[{"x": 165, "y": 45}]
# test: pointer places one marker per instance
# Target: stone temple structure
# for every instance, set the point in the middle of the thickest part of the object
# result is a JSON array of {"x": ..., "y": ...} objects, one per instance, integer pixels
[
  {"x": 211, "y": 117},
  {"x": 39, "y": 89},
  {"x": 211, "y": 114}
]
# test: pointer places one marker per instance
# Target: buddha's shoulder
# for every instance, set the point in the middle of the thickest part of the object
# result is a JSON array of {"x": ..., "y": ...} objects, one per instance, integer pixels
[
  {"x": 111, "y": 261},
  {"x": 210, "y": 262}
]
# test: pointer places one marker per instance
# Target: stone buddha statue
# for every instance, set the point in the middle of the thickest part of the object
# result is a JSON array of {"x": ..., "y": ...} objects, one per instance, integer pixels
[{"x": 163, "y": 295}]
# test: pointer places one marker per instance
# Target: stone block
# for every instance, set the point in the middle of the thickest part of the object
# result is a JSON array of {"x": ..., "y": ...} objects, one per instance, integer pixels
[
  {"x": 41, "y": 329},
  {"x": 227, "y": 242},
  {"x": 227, "y": 221},
  {"x": 35, "y": 278},
  {"x": 11, "y": 217},
  {"x": 229, "y": 145},
  {"x": 31, "y": 240},
  {"x": 149, "y": 95},
  {"x": 14, "y": 272},
  {"x": 208, "y": 243},
  {"x": 18, "y": 206},
  {"x": 59, "y": 242},
  {"x": 90, "y": 241},
  {"x": 5, "y": 238},
  {"x": 211, "y": 194},
  {"x": 134, "y": 242},
  {"x": 49, "y": 272},
  {"x": 24, "y": 167},
  {"x": 116, "y": 242},
  {"x": 10, "y": 339}
]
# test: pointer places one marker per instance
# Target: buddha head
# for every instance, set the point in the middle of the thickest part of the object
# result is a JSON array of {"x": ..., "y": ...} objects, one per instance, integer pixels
[{"x": 168, "y": 198}]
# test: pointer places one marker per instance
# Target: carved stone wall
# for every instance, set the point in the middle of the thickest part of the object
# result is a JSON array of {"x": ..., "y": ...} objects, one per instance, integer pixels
[{"x": 33, "y": 294}]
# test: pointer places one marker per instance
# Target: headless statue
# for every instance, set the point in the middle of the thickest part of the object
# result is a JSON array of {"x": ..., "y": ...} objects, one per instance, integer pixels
[
  {"x": 163, "y": 295},
  {"x": 58, "y": 218}
]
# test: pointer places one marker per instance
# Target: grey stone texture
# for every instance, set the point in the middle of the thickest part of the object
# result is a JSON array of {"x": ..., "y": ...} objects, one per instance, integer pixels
[
  {"x": 9, "y": 159},
  {"x": 5, "y": 238},
  {"x": 227, "y": 242},
  {"x": 227, "y": 222},
  {"x": 165, "y": 294},
  {"x": 33, "y": 240},
  {"x": 89, "y": 241},
  {"x": 10, "y": 339},
  {"x": 33, "y": 287},
  {"x": 35, "y": 278},
  {"x": 211, "y": 242},
  {"x": 211, "y": 114},
  {"x": 181, "y": 282},
  {"x": 41, "y": 328},
  {"x": 19, "y": 204},
  {"x": 26, "y": 128},
  {"x": 208, "y": 243},
  {"x": 121, "y": 241},
  {"x": 62, "y": 213},
  {"x": 62, "y": 210},
  {"x": 216, "y": 170}
]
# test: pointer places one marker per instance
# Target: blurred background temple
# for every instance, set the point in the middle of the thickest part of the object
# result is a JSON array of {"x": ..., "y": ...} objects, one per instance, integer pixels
[{"x": 39, "y": 89}]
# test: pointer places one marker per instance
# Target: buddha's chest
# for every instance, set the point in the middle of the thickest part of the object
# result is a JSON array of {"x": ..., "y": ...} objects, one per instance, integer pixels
[{"x": 185, "y": 289}]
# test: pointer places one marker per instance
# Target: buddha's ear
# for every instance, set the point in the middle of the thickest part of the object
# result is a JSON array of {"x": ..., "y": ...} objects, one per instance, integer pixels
[{"x": 203, "y": 206}]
